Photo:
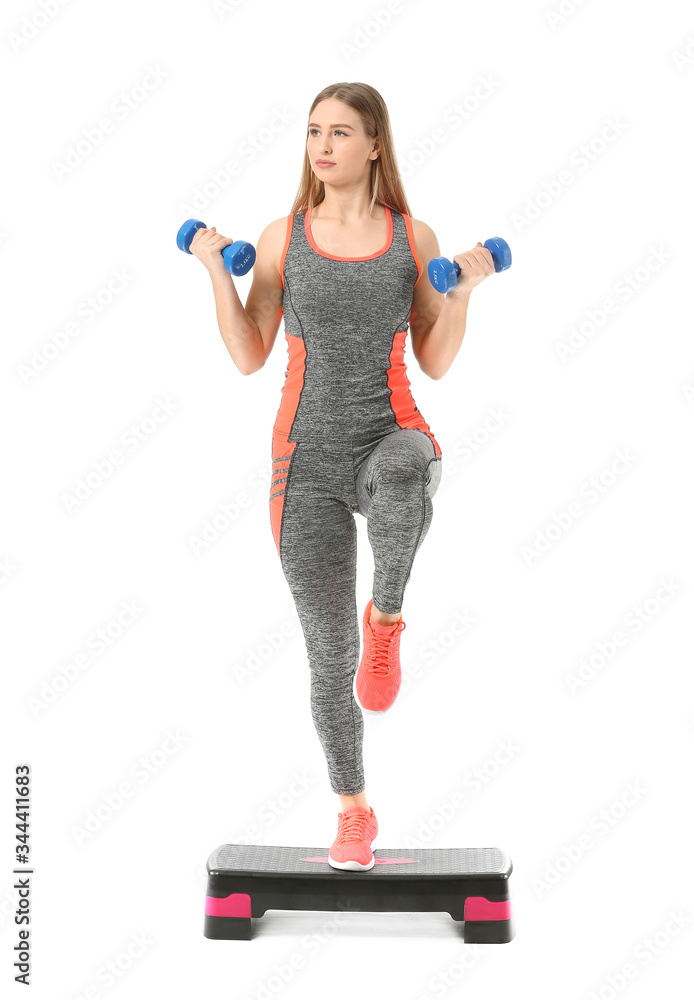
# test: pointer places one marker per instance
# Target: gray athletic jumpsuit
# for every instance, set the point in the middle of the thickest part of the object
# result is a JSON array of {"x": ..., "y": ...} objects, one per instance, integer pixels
[{"x": 347, "y": 439}]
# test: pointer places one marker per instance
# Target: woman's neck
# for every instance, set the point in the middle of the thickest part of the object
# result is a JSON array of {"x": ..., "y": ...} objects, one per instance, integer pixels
[{"x": 350, "y": 210}]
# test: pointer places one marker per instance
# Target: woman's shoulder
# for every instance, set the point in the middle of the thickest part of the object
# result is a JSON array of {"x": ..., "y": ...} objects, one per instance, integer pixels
[
  {"x": 276, "y": 234},
  {"x": 421, "y": 229},
  {"x": 272, "y": 242},
  {"x": 424, "y": 237},
  {"x": 277, "y": 229}
]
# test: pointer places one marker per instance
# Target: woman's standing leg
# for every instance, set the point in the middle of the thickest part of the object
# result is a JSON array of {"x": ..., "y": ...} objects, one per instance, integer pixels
[{"x": 317, "y": 541}]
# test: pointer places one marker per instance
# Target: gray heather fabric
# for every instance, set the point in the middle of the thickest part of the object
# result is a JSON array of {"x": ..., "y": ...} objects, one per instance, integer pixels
[
  {"x": 346, "y": 313},
  {"x": 347, "y": 454}
]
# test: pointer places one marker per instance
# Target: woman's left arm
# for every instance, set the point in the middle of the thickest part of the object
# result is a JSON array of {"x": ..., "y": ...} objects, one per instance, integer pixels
[{"x": 437, "y": 322}]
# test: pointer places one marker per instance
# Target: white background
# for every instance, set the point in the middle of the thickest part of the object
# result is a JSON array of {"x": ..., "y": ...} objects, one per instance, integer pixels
[{"x": 574, "y": 145}]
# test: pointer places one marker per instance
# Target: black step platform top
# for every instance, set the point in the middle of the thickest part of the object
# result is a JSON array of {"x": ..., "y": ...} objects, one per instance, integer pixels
[{"x": 262, "y": 860}]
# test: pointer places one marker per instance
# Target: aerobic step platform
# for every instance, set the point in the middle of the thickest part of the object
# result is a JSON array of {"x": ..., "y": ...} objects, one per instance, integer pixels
[{"x": 472, "y": 884}]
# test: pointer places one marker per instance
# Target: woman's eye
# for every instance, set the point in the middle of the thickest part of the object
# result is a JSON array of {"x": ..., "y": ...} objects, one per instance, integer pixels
[{"x": 337, "y": 131}]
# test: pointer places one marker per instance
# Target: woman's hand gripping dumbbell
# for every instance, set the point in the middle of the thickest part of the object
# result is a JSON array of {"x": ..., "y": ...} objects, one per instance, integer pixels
[
  {"x": 236, "y": 256},
  {"x": 476, "y": 265}
]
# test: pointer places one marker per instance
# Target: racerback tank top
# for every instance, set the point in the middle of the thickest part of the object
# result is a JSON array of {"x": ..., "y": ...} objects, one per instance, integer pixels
[{"x": 346, "y": 321}]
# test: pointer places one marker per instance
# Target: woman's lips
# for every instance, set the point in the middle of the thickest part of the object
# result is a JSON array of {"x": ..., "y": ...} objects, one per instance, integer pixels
[{"x": 324, "y": 163}]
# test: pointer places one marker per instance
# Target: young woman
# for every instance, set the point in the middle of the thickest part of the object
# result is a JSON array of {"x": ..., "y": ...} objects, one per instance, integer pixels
[{"x": 348, "y": 270}]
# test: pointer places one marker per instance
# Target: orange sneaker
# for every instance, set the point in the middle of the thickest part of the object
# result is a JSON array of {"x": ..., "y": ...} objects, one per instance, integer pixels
[
  {"x": 356, "y": 830},
  {"x": 377, "y": 681}
]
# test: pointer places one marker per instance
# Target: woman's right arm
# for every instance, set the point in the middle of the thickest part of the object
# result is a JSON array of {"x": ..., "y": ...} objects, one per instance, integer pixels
[{"x": 248, "y": 332}]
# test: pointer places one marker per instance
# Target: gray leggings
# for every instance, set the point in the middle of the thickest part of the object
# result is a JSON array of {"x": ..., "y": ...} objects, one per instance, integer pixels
[{"x": 317, "y": 487}]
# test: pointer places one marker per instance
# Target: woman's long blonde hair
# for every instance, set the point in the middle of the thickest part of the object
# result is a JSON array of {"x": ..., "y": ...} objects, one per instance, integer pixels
[{"x": 386, "y": 183}]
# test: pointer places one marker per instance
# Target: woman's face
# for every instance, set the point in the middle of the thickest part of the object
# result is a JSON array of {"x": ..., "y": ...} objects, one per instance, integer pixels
[{"x": 335, "y": 133}]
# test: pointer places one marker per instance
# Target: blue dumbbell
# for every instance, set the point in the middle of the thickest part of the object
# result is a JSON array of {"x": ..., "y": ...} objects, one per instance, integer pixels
[
  {"x": 239, "y": 257},
  {"x": 444, "y": 274}
]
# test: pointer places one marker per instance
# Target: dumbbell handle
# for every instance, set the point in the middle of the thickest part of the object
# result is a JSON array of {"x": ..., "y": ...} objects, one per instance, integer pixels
[
  {"x": 444, "y": 273},
  {"x": 238, "y": 257}
]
